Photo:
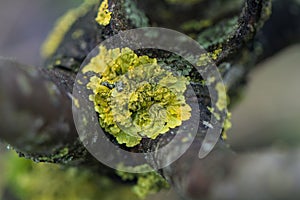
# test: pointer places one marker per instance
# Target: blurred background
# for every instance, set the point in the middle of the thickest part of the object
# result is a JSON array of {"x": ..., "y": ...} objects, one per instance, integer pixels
[
  {"x": 268, "y": 115},
  {"x": 25, "y": 24}
]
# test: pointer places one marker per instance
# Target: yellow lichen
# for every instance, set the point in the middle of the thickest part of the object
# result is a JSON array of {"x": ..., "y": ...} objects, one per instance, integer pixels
[
  {"x": 227, "y": 122},
  {"x": 214, "y": 55},
  {"x": 134, "y": 96},
  {"x": 222, "y": 102},
  {"x": 208, "y": 58},
  {"x": 210, "y": 80},
  {"x": 104, "y": 15},
  {"x": 62, "y": 26},
  {"x": 227, "y": 126},
  {"x": 212, "y": 111},
  {"x": 147, "y": 183},
  {"x": 76, "y": 102}
]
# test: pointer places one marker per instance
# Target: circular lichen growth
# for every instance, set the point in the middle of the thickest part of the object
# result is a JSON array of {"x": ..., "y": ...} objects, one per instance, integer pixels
[{"x": 134, "y": 96}]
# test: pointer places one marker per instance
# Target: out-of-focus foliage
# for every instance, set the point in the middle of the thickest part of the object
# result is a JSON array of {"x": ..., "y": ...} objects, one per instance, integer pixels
[{"x": 41, "y": 181}]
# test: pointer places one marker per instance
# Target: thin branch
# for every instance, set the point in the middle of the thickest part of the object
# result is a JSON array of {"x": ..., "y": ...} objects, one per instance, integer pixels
[{"x": 35, "y": 114}]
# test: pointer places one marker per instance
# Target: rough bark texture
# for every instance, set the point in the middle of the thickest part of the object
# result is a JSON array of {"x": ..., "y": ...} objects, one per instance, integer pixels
[{"x": 234, "y": 26}]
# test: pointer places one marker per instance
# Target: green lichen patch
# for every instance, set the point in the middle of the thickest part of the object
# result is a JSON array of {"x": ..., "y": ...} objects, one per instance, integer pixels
[
  {"x": 219, "y": 33},
  {"x": 134, "y": 96},
  {"x": 208, "y": 58},
  {"x": 135, "y": 15},
  {"x": 61, "y": 154},
  {"x": 146, "y": 183}
]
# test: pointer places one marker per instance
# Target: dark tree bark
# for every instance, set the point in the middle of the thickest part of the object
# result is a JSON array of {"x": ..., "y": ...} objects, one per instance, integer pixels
[{"x": 46, "y": 116}]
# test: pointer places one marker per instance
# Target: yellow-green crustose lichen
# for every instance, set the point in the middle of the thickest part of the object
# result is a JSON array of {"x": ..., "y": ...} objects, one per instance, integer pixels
[
  {"x": 208, "y": 58},
  {"x": 227, "y": 122},
  {"x": 134, "y": 96},
  {"x": 221, "y": 105},
  {"x": 227, "y": 125},
  {"x": 62, "y": 26},
  {"x": 222, "y": 98},
  {"x": 147, "y": 183},
  {"x": 218, "y": 33},
  {"x": 104, "y": 15}
]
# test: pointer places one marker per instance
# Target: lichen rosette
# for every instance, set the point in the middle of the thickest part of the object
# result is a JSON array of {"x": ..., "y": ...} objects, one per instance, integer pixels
[{"x": 135, "y": 97}]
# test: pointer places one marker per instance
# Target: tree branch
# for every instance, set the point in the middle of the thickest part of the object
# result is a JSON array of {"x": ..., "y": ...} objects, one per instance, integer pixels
[{"x": 49, "y": 126}]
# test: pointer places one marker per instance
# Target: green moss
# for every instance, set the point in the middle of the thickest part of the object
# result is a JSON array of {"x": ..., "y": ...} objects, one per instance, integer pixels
[
  {"x": 62, "y": 26},
  {"x": 104, "y": 15},
  {"x": 134, "y": 96},
  {"x": 40, "y": 181},
  {"x": 146, "y": 183}
]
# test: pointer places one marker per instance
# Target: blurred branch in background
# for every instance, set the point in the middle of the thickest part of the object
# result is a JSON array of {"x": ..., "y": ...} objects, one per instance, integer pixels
[
  {"x": 271, "y": 101},
  {"x": 25, "y": 25}
]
